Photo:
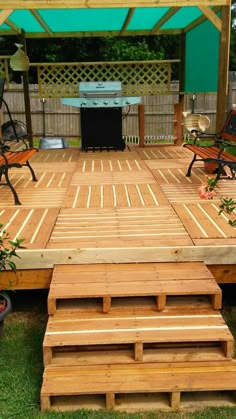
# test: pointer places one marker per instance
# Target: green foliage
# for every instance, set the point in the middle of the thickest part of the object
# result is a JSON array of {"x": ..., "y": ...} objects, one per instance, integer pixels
[
  {"x": 122, "y": 49},
  {"x": 228, "y": 205},
  {"x": 212, "y": 183},
  {"x": 8, "y": 250},
  {"x": 130, "y": 48}
]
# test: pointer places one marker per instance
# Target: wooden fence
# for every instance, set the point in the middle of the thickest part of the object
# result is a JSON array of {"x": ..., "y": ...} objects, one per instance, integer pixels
[{"x": 57, "y": 120}]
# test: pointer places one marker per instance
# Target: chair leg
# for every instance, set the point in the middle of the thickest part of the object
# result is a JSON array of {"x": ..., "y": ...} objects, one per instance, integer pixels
[
  {"x": 32, "y": 171},
  {"x": 8, "y": 182},
  {"x": 188, "y": 174},
  {"x": 219, "y": 171}
]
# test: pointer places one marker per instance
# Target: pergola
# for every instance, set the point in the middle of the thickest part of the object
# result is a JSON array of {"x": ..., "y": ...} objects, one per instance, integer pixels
[{"x": 204, "y": 27}]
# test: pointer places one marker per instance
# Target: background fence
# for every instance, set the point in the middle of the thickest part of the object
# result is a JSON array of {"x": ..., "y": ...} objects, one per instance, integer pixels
[{"x": 51, "y": 118}]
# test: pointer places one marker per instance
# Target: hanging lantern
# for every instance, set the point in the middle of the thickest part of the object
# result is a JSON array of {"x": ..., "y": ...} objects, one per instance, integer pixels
[{"x": 19, "y": 61}]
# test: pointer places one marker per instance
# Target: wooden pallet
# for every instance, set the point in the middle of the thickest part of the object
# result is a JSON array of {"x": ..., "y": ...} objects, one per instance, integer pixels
[
  {"x": 144, "y": 333},
  {"x": 120, "y": 355},
  {"x": 113, "y": 381},
  {"x": 107, "y": 282}
]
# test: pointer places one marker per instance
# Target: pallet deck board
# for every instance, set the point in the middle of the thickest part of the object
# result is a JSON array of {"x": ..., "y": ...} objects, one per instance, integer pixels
[
  {"x": 115, "y": 380},
  {"x": 138, "y": 330},
  {"x": 110, "y": 281}
]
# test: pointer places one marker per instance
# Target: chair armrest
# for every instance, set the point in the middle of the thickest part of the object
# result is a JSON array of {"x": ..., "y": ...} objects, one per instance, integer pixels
[{"x": 4, "y": 148}]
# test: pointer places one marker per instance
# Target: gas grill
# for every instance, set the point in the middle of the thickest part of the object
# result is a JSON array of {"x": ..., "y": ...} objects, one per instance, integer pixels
[{"x": 101, "y": 114}]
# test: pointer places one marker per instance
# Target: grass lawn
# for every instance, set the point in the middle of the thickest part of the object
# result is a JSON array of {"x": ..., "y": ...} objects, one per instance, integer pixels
[{"x": 21, "y": 365}]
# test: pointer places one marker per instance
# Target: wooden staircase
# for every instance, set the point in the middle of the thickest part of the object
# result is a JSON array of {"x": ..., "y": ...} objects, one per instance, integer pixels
[{"x": 136, "y": 336}]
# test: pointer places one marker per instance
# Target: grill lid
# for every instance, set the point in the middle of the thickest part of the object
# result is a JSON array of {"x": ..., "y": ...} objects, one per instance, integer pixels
[{"x": 100, "y": 89}]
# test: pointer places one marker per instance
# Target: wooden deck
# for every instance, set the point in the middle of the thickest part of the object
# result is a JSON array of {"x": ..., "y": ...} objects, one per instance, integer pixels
[{"x": 101, "y": 207}]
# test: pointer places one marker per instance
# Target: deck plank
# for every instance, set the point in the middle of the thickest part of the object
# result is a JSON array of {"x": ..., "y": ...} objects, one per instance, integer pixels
[
  {"x": 139, "y": 225},
  {"x": 169, "y": 152},
  {"x": 202, "y": 220},
  {"x": 34, "y": 225}
]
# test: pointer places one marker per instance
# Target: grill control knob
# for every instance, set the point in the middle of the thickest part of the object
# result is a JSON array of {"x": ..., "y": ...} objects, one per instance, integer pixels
[
  {"x": 116, "y": 102},
  {"x": 95, "y": 102},
  {"x": 127, "y": 102},
  {"x": 84, "y": 103},
  {"x": 105, "y": 102}
]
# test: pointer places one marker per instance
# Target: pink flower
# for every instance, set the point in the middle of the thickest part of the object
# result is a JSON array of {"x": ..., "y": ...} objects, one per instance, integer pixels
[{"x": 206, "y": 192}]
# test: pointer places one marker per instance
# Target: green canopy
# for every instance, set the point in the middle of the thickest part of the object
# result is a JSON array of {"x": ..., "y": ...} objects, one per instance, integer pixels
[
  {"x": 98, "y": 21},
  {"x": 204, "y": 24}
]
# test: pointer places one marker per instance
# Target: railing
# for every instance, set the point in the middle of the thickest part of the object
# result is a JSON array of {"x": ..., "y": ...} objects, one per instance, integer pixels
[{"x": 138, "y": 78}]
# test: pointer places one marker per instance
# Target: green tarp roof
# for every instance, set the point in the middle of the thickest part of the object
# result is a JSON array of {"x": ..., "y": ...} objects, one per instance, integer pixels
[{"x": 59, "y": 22}]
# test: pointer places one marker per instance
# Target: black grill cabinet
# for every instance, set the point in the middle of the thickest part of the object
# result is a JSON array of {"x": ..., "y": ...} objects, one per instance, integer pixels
[{"x": 101, "y": 128}]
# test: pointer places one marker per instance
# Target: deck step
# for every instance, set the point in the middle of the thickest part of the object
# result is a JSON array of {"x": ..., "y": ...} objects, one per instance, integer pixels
[
  {"x": 66, "y": 388},
  {"x": 143, "y": 335},
  {"x": 107, "y": 282}
]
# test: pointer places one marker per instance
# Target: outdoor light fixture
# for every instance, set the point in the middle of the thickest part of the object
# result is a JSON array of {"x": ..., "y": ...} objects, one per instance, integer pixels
[{"x": 19, "y": 61}]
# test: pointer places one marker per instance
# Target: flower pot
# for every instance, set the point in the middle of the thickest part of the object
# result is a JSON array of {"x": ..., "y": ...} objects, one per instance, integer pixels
[
  {"x": 7, "y": 309},
  {"x": 210, "y": 167}
]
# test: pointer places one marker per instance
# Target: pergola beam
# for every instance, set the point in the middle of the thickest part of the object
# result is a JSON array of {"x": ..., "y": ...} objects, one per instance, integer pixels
[
  {"x": 200, "y": 20},
  {"x": 4, "y": 14},
  {"x": 42, "y": 22},
  {"x": 165, "y": 18},
  {"x": 127, "y": 20},
  {"x": 84, "y": 4},
  {"x": 212, "y": 17}
]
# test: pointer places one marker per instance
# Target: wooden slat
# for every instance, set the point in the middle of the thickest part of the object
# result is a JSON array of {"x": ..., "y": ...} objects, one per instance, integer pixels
[
  {"x": 21, "y": 179},
  {"x": 66, "y": 155},
  {"x": 210, "y": 152},
  {"x": 114, "y": 195},
  {"x": 177, "y": 176},
  {"x": 104, "y": 178},
  {"x": 31, "y": 198},
  {"x": 171, "y": 152},
  {"x": 33, "y": 225},
  {"x": 109, "y": 165},
  {"x": 203, "y": 221},
  {"x": 112, "y": 228}
]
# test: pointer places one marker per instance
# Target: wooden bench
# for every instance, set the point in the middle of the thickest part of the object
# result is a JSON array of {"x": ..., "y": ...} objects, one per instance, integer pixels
[
  {"x": 144, "y": 333},
  {"x": 14, "y": 159},
  {"x": 215, "y": 152},
  {"x": 65, "y": 388}
]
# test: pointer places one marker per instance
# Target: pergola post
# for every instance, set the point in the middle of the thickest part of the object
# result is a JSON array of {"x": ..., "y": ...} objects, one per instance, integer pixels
[
  {"x": 25, "y": 77},
  {"x": 222, "y": 94},
  {"x": 179, "y": 107},
  {"x": 141, "y": 124}
]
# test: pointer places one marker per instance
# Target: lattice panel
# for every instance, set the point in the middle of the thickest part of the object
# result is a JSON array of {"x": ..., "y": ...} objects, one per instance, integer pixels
[{"x": 137, "y": 78}]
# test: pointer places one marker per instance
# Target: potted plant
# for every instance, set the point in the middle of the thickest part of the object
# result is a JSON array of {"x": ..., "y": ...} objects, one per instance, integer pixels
[{"x": 7, "y": 252}]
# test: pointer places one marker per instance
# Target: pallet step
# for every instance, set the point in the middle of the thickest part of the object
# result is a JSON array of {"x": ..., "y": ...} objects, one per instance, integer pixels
[
  {"x": 60, "y": 384},
  {"x": 141, "y": 332},
  {"x": 108, "y": 282}
]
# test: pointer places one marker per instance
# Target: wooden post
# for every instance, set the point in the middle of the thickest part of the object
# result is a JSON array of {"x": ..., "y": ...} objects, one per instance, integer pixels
[
  {"x": 178, "y": 126},
  {"x": 25, "y": 77},
  {"x": 221, "y": 106},
  {"x": 175, "y": 400},
  {"x": 106, "y": 305},
  {"x": 179, "y": 107},
  {"x": 141, "y": 124},
  {"x": 110, "y": 400}
]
